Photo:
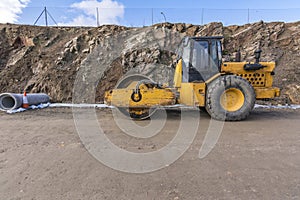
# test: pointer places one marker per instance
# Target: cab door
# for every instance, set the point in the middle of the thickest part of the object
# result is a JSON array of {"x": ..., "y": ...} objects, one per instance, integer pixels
[{"x": 205, "y": 60}]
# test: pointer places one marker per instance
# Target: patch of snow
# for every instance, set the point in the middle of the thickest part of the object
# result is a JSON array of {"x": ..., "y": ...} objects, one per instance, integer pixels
[
  {"x": 32, "y": 107},
  {"x": 69, "y": 105},
  {"x": 278, "y": 106}
]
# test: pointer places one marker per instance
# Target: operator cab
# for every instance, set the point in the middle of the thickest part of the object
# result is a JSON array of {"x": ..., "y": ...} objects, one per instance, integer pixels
[{"x": 201, "y": 58}]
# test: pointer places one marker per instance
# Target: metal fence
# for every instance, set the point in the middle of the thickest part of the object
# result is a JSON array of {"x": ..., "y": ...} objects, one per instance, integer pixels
[{"x": 137, "y": 17}]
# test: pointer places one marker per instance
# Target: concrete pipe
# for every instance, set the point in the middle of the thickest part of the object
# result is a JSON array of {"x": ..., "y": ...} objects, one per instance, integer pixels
[{"x": 11, "y": 101}]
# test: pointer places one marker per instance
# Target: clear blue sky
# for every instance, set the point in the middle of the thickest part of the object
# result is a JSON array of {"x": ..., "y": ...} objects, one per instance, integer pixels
[
  {"x": 226, "y": 4},
  {"x": 139, "y": 12}
]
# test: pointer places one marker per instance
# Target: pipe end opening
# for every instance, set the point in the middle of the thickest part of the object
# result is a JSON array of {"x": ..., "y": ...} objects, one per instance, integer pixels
[{"x": 7, "y": 102}]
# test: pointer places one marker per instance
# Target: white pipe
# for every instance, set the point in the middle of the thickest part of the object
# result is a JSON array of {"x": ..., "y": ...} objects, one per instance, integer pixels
[{"x": 11, "y": 101}]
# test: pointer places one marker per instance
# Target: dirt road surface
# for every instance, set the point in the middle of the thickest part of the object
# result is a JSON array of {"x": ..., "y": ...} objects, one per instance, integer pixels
[{"x": 42, "y": 157}]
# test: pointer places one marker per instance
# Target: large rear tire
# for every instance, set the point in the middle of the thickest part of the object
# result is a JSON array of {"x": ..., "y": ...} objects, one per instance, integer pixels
[{"x": 230, "y": 98}]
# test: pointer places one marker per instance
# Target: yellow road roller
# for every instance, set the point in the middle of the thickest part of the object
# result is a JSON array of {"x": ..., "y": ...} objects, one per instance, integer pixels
[{"x": 226, "y": 90}]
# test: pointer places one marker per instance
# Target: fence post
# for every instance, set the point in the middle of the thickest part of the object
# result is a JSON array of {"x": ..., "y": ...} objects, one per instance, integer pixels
[
  {"x": 248, "y": 15},
  {"x": 152, "y": 15},
  {"x": 97, "y": 16},
  {"x": 202, "y": 15}
]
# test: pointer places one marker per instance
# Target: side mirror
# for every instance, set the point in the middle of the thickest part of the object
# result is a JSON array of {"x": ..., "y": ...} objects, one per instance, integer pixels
[{"x": 185, "y": 41}]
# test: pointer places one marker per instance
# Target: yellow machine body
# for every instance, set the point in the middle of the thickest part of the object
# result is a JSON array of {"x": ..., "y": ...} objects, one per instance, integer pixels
[
  {"x": 150, "y": 97},
  {"x": 139, "y": 97},
  {"x": 193, "y": 94},
  {"x": 261, "y": 80}
]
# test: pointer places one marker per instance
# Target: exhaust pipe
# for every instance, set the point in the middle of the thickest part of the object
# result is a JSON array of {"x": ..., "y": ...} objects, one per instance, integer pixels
[{"x": 11, "y": 101}]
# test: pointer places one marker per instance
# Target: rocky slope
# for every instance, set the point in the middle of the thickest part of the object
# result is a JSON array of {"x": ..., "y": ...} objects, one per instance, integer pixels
[{"x": 47, "y": 59}]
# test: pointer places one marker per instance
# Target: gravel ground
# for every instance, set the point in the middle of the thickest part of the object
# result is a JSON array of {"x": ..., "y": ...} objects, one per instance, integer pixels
[{"x": 42, "y": 157}]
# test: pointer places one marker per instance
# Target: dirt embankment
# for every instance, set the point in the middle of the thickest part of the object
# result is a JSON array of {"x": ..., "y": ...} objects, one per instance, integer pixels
[{"x": 46, "y": 59}]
